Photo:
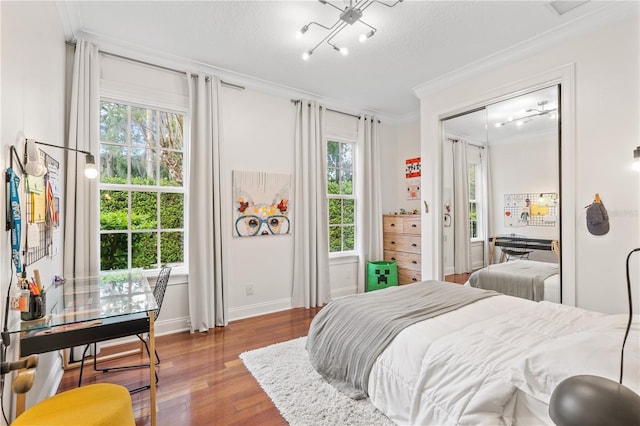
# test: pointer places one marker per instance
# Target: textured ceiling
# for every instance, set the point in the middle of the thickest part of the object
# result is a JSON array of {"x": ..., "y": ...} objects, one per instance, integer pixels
[{"x": 417, "y": 41}]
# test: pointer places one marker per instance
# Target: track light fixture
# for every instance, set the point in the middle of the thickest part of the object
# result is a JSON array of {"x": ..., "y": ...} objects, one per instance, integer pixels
[
  {"x": 349, "y": 16},
  {"x": 530, "y": 114}
]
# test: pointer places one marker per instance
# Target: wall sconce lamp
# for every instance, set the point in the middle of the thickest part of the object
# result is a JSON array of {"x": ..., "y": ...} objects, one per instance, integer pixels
[
  {"x": 34, "y": 167},
  {"x": 90, "y": 169}
]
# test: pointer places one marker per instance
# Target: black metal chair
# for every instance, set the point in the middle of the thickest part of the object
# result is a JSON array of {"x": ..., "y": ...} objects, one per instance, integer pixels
[
  {"x": 514, "y": 247},
  {"x": 158, "y": 292}
]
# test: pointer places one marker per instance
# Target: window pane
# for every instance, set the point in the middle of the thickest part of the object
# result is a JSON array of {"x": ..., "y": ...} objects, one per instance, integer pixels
[
  {"x": 335, "y": 239},
  {"x": 349, "y": 238},
  {"x": 143, "y": 127},
  {"x": 346, "y": 182},
  {"x": 171, "y": 248},
  {"x": 144, "y": 250},
  {"x": 143, "y": 166},
  {"x": 170, "y": 168},
  {"x": 113, "y": 122},
  {"x": 142, "y": 147},
  {"x": 144, "y": 208},
  {"x": 332, "y": 181},
  {"x": 113, "y": 251},
  {"x": 171, "y": 130},
  {"x": 345, "y": 156},
  {"x": 333, "y": 153},
  {"x": 171, "y": 210},
  {"x": 113, "y": 164},
  {"x": 114, "y": 210},
  {"x": 335, "y": 211},
  {"x": 348, "y": 212}
]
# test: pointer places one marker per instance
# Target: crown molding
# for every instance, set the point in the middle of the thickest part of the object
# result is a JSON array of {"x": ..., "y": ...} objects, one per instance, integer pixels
[
  {"x": 606, "y": 14},
  {"x": 72, "y": 27}
]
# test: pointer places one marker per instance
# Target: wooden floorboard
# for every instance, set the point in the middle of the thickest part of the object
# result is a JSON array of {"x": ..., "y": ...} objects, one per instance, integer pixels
[
  {"x": 457, "y": 278},
  {"x": 202, "y": 380}
]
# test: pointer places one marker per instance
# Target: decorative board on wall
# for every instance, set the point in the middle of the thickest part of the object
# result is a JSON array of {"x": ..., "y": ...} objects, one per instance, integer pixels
[
  {"x": 262, "y": 205},
  {"x": 533, "y": 209},
  {"x": 412, "y": 172}
]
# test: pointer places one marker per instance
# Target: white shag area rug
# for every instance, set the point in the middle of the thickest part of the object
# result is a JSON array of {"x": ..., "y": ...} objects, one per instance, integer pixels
[{"x": 301, "y": 395}]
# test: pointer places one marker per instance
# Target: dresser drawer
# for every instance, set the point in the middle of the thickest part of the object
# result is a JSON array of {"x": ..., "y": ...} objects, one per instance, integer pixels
[
  {"x": 407, "y": 276},
  {"x": 402, "y": 243},
  {"x": 404, "y": 260},
  {"x": 392, "y": 224},
  {"x": 411, "y": 225}
]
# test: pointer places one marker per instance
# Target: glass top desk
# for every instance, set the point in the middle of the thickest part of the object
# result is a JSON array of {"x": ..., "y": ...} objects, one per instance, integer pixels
[{"x": 114, "y": 304}]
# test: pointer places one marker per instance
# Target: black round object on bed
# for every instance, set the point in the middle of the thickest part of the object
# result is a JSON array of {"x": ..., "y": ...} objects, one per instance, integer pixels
[{"x": 591, "y": 400}]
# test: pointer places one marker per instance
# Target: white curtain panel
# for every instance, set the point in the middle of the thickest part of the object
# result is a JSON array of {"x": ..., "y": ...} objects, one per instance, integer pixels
[
  {"x": 488, "y": 205},
  {"x": 461, "y": 232},
  {"x": 369, "y": 198},
  {"x": 311, "y": 285},
  {"x": 81, "y": 248},
  {"x": 81, "y": 252},
  {"x": 207, "y": 287}
]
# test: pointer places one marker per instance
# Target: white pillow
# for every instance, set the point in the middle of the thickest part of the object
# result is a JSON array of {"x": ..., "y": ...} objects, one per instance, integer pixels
[{"x": 595, "y": 351}]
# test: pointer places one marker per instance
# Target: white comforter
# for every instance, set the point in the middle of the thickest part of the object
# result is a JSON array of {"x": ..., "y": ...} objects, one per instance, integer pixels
[{"x": 469, "y": 367}]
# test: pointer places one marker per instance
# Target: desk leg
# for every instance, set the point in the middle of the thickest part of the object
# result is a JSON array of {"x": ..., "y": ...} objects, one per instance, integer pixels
[
  {"x": 152, "y": 367},
  {"x": 493, "y": 246}
]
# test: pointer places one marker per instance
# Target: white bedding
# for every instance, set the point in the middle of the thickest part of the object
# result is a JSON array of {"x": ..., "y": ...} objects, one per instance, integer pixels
[
  {"x": 551, "y": 285},
  {"x": 497, "y": 361}
]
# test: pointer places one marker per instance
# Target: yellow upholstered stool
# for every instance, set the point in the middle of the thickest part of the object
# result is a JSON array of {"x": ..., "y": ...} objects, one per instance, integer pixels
[{"x": 99, "y": 404}]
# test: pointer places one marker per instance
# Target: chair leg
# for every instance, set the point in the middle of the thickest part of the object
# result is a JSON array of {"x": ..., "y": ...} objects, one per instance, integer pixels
[{"x": 84, "y": 353}]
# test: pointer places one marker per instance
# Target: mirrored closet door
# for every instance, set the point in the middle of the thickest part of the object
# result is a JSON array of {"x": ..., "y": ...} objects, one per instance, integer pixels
[{"x": 501, "y": 184}]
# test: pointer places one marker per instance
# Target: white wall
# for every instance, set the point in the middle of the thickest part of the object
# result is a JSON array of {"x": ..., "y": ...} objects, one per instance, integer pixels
[
  {"x": 607, "y": 130},
  {"x": 32, "y": 93},
  {"x": 398, "y": 143}
]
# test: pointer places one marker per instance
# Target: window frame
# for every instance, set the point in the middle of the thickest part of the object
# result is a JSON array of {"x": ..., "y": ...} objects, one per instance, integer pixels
[
  {"x": 478, "y": 176},
  {"x": 156, "y": 189},
  {"x": 352, "y": 196}
]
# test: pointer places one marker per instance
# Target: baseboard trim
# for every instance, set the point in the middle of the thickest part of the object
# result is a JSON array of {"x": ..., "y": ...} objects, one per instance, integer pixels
[
  {"x": 343, "y": 291},
  {"x": 259, "y": 309}
]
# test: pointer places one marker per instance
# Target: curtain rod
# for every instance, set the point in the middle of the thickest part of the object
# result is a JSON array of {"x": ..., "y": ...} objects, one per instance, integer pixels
[
  {"x": 458, "y": 140},
  {"x": 162, "y": 67},
  {"x": 295, "y": 101}
]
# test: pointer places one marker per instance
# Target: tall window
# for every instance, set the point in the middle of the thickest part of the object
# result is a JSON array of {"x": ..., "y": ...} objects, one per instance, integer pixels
[
  {"x": 473, "y": 204},
  {"x": 342, "y": 202},
  {"x": 141, "y": 187}
]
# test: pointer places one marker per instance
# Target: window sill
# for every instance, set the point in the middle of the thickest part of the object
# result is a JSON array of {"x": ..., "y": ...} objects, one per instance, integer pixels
[{"x": 343, "y": 258}]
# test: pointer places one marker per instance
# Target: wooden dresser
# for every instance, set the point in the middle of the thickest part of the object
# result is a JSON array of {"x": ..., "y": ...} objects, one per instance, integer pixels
[{"x": 402, "y": 234}]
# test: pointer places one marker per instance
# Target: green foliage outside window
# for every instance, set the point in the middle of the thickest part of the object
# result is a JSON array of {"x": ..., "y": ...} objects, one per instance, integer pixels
[
  {"x": 140, "y": 153},
  {"x": 341, "y": 200}
]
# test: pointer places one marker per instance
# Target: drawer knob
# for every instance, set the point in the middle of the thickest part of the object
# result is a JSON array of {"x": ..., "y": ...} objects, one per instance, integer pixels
[
  {"x": 393, "y": 242},
  {"x": 414, "y": 262},
  {"x": 393, "y": 224},
  {"x": 414, "y": 279},
  {"x": 393, "y": 258},
  {"x": 414, "y": 245},
  {"x": 414, "y": 226}
]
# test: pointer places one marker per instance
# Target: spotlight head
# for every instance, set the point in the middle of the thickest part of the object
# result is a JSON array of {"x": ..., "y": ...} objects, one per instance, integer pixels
[
  {"x": 365, "y": 36},
  {"x": 343, "y": 50},
  {"x": 301, "y": 32},
  {"x": 307, "y": 54}
]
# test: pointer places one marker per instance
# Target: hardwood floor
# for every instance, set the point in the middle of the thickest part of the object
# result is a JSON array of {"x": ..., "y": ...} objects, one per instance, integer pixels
[
  {"x": 202, "y": 380},
  {"x": 457, "y": 278}
]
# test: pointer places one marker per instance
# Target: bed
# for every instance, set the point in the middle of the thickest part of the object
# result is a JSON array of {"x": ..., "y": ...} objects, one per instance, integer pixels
[
  {"x": 495, "y": 360},
  {"x": 528, "y": 279}
]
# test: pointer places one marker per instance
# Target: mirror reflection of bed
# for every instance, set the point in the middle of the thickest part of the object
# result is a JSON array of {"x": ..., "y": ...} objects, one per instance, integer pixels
[{"x": 500, "y": 165}]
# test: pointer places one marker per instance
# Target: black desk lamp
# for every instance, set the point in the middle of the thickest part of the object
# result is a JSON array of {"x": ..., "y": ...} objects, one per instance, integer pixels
[{"x": 587, "y": 400}]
